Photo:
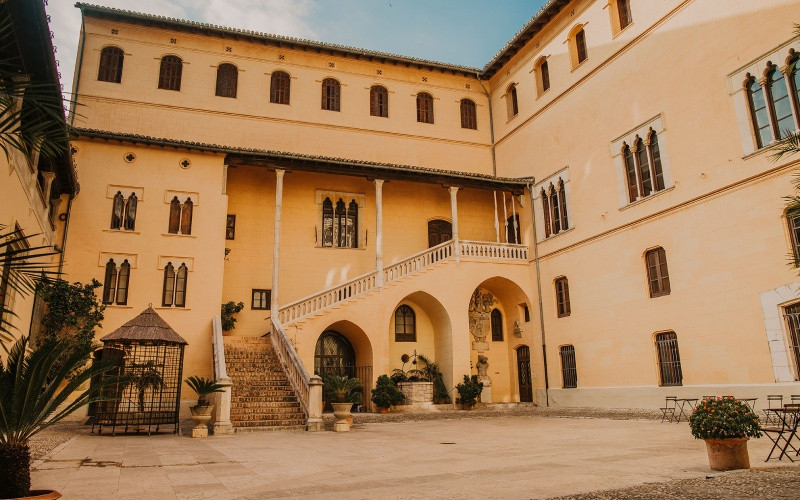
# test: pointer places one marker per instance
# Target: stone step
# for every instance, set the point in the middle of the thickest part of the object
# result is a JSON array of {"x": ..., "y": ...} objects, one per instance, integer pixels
[
  {"x": 249, "y": 418},
  {"x": 277, "y": 406},
  {"x": 281, "y": 398},
  {"x": 269, "y": 428}
]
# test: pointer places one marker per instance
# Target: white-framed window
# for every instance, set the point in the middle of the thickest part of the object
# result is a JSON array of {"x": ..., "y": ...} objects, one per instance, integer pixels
[
  {"x": 641, "y": 160},
  {"x": 553, "y": 208}
]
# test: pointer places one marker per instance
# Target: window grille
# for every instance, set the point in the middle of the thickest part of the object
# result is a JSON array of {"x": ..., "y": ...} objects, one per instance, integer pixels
[
  {"x": 580, "y": 45},
  {"x": 469, "y": 118},
  {"x": 331, "y": 91},
  {"x": 169, "y": 75},
  {"x": 111, "y": 59},
  {"x": 230, "y": 227},
  {"x": 279, "y": 88},
  {"x": 657, "y": 274},
  {"x": 569, "y": 370},
  {"x": 378, "y": 101},
  {"x": 227, "y": 79},
  {"x": 669, "y": 360},
  {"x": 624, "y": 10},
  {"x": 792, "y": 316},
  {"x": 261, "y": 299},
  {"x": 562, "y": 297},
  {"x": 424, "y": 107},
  {"x": 405, "y": 324},
  {"x": 497, "y": 325}
]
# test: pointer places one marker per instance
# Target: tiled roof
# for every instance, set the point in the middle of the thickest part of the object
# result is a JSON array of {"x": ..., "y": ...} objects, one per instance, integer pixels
[{"x": 147, "y": 326}]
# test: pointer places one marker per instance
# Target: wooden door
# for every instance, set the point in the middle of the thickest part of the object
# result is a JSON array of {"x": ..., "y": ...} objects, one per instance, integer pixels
[
  {"x": 439, "y": 231},
  {"x": 524, "y": 374}
]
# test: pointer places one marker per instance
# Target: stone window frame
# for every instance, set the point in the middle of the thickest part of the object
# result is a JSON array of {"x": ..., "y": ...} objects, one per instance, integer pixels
[
  {"x": 561, "y": 176},
  {"x": 360, "y": 199}
]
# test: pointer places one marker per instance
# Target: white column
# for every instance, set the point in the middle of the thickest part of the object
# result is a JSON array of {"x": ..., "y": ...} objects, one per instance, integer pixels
[
  {"x": 764, "y": 82},
  {"x": 787, "y": 76},
  {"x": 505, "y": 216},
  {"x": 454, "y": 218},
  {"x": 379, "y": 231},
  {"x": 514, "y": 219},
  {"x": 496, "y": 218},
  {"x": 276, "y": 245}
]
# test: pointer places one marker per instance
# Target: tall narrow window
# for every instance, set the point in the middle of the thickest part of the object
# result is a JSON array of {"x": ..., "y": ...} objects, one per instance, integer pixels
[
  {"x": 759, "y": 113},
  {"x": 669, "y": 359},
  {"x": 130, "y": 212},
  {"x": 379, "y": 101},
  {"x": 174, "y": 215},
  {"x": 122, "y": 283},
  {"x": 424, "y": 107},
  {"x": 580, "y": 46},
  {"x": 556, "y": 211},
  {"x": 497, "y": 325},
  {"x": 562, "y": 205},
  {"x": 624, "y": 11},
  {"x": 792, "y": 316},
  {"x": 169, "y": 74},
  {"x": 512, "y": 230},
  {"x": 793, "y": 218},
  {"x": 169, "y": 286},
  {"x": 186, "y": 216},
  {"x": 562, "y": 297},
  {"x": 546, "y": 211},
  {"x": 230, "y": 227},
  {"x": 227, "y": 80},
  {"x": 331, "y": 91},
  {"x": 180, "y": 286},
  {"x": 117, "y": 211},
  {"x": 569, "y": 370},
  {"x": 352, "y": 224},
  {"x": 794, "y": 83},
  {"x": 655, "y": 157},
  {"x": 110, "y": 282},
  {"x": 111, "y": 59},
  {"x": 469, "y": 118},
  {"x": 657, "y": 274},
  {"x": 279, "y": 87},
  {"x": 327, "y": 223},
  {"x": 643, "y": 164},
  {"x": 405, "y": 324},
  {"x": 542, "y": 71},
  {"x": 511, "y": 97},
  {"x": 630, "y": 174},
  {"x": 341, "y": 224},
  {"x": 781, "y": 104}
]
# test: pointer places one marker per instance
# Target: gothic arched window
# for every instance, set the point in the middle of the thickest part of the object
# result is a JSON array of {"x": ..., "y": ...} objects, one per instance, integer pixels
[
  {"x": 169, "y": 286},
  {"x": 186, "y": 216},
  {"x": 405, "y": 324},
  {"x": 327, "y": 223},
  {"x": 227, "y": 80},
  {"x": 174, "y": 216},
  {"x": 279, "y": 87},
  {"x": 110, "y": 282},
  {"x": 181, "y": 278},
  {"x": 497, "y": 325},
  {"x": 117, "y": 211},
  {"x": 130, "y": 212},
  {"x": 122, "y": 283}
]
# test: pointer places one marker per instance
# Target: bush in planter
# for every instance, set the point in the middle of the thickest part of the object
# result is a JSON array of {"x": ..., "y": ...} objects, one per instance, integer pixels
[
  {"x": 431, "y": 373},
  {"x": 385, "y": 393},
  {"x": 227, "y": 311},
  {"x": 343, "y": 389},
  {"x": 469, "y": 390},
  {"x": 204, "y": 387},
  {"x": 724, "y": 418}
]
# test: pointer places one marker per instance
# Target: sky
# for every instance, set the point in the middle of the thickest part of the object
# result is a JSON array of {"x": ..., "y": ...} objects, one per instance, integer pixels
[{"x": 466, "y": 32}]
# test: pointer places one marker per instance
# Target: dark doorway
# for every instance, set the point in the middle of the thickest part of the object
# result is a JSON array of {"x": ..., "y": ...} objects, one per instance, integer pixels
[
  {"x": 524, "y": 374},
  {"x": 439, "y": 231},
  {"x": 512, "y": 230},
  {"x": 334, "y": 355}
]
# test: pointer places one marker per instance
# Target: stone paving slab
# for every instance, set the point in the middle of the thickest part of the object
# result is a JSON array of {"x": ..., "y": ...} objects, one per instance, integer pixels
[{"x": 490, "y": 457}]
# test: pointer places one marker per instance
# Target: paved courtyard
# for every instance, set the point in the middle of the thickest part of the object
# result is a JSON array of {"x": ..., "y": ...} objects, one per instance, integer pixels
[{"x": 495, "y": 457}]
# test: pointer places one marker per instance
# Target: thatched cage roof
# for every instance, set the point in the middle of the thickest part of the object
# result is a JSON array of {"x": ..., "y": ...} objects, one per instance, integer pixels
[{"x": 147, "y": 326}]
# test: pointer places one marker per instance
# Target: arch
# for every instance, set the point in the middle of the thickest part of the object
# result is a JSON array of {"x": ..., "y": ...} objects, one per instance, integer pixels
[
  {"x": 469, "y": 116},
  {"x": 379, "y": 101},
  {"x": 620, "y": 12},
  {"x": 562, "y": 206},
  {"x": 555, "y": 219},
  {"x": 655, "y": 156},
  {"x": 181, "y": 281},
  {"x": 352, "y": 224},
  {"x": 331, "y": 94},
  {"x": 227, "y": 80},
  {"x": 546, "y": 211},
  {"x": 349, "y": 334},
  {"x": 630, "y": 172},
  {"x": 644, "y": 166},
  {"x": 110, "y": 68},
  {"x": 340, "y": 214},
  {"x": 170, "y": 72},
  {"x": 174, "y": 216},
  {"x": 424, "y": 107},
  {"x": 793, "y": 61},
  {"x": 280, "y": 84}
]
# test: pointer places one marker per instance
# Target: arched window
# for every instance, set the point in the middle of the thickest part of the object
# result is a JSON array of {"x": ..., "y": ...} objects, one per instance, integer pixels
[
  {"x": 174, "y": 215},
  {"x": 781, "y": 103},
  {"x": 424, "y": 108},
  {"x": 169, "y": 286},
  {"x": 352, "y": 224},
  {"x": 577, "y": 46},
  {"x": 630, "y": 173},
  {"x": 186, "y": 216},
  {"x": 334, "y": 355},
  {"x": 439, "y": 231},
  {"x": 110, "y": 282},
  {"x": 327, "y": 223},
  {"x": 279, "y": 87},
  {"x": 511, "y": 101},
  {"x": 405, "y": 324},
  {"x": 562, "y": 297},
  {"x": 669, "y": 359},
  {"x": 546, "y": 211},
  {"x": 169, "y": 74},
  {"x": 469, "y": 117},
  {"x": 122, "y": 283},
  {"x": 643, "y": 167},
  {"x": 130, "y": 212},
  {"x": 341, "y": 223},
  {"x": 562, "y": 206},
  {"x": 512, "y": 229},
  {"x": 624, "y": 11},
  {"x": 111, "y": 59},
  {"x": 655, "y": 156},
  {"x": 542, "y": 71},
  {"x": 180, "y": 286},
  {"x": 759, "y": 113},
  {"x": 331, "y": 91},
  {"x": 657, "y": 273},
  {"x": 497, "y": 325},
  {"x": 794, "y": 83},
  {"x": 555, "y": 207},
  {"x": 227, "y": 79},
  {"x": 117, "y": 211},
  {"x": 569, "y": 372},
  {"x": 379, "y": 101}
]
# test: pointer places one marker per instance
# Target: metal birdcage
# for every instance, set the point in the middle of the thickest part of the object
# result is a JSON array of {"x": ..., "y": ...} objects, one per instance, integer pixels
[{"x": 148, "y": 358}]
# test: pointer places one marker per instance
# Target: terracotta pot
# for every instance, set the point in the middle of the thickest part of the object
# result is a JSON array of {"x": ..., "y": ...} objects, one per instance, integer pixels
[
  {"x": 41, "y": 495},
  {"x": 383, "y": 410},
  {"x": 728, "y": 454}
]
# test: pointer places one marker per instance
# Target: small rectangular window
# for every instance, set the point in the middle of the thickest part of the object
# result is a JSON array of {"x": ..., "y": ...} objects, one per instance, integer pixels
[
  {"x": 657, "y": 274},
  {"x": 261, "y": 299},
  {"x": 569, "y": 370},
  {"x": 230, "y": 227},
  {"x": 526, "y": 313},
  {"x": 562, "y": 297},
  {"x": 669, "y": 359}
]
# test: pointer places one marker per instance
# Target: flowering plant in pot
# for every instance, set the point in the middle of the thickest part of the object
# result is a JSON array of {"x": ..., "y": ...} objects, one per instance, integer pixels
[
  {"x": 725, "y": 424},
  {"x": 386, "y": 394}
]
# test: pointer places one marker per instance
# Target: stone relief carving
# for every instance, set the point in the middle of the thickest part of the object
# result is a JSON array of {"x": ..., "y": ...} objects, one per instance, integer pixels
[{"x": 480, "y": 307}]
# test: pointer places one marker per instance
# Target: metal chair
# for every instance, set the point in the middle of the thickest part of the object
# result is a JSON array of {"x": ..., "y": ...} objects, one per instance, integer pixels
[
  {"x": 774, "y": 401},
  {"x": 668, "y": 411},
  {"x": 750, "y": 402},
  {"x": 785, "y": 432}
]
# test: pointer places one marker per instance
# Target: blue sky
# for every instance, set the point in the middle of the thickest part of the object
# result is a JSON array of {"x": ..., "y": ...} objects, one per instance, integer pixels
[{"x": 467, "y": 32}]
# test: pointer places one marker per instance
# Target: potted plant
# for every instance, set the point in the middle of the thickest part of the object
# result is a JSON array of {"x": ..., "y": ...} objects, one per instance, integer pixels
[
  {"x": 431, "y": 372},
  {"x": 385, "y": 394},
  {"x": 468, "y": 391},
  {"x": 201, "y": 412},
  {"x": 228, "y": 311},
  {"x": 343, "y": 389},
  {"x": 35, "y": 386},
  {"x": 725, "y": 424}
]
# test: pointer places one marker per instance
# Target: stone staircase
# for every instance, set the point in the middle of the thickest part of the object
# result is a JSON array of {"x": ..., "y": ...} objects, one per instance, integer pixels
[{"x": 262, "y": 398}]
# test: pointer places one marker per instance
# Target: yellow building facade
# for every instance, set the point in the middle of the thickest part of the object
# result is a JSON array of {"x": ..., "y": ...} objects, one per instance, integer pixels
[{"x": 595, "y": 211}]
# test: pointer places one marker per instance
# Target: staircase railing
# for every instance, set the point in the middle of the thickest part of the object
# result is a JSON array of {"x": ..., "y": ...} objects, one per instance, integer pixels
[
  {"x": 418, "y": 261},
  {"x": 495, "y": 251},
  {"x": 222, "y": 422},
  {"x": 328, "y": 297},
  {"x": 308, "y": 389}
]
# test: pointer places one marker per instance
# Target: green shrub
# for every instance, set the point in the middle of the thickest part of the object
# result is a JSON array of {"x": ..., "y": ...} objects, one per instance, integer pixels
[
  {"x": 203, "y": 387},
  {"x": 226, "y": 314},
  {"x": 385, "y": 393},
  {"x": 343, "y": 389},
  {"x": 722, "y": 418},
  {"x": 469, "y": 390}
]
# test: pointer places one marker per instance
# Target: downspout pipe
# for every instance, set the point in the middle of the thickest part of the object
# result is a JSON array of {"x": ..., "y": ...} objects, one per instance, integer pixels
[
  {"x": 68, "y": 215},
  {"x": 491, "y": 123},
  {"x": 539, "y": 292}
]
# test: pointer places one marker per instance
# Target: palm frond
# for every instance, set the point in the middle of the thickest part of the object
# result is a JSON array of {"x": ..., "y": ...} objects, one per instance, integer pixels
[{"x": 788, "y": 146}]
